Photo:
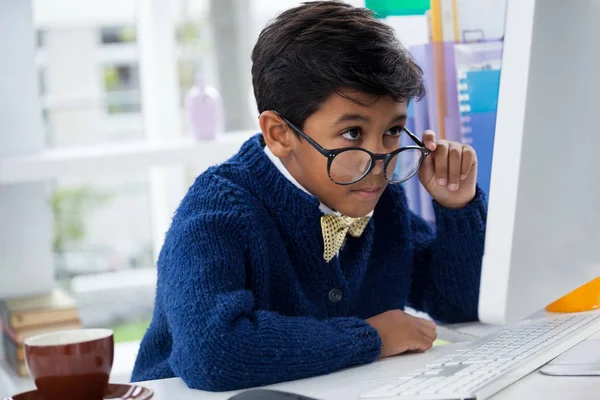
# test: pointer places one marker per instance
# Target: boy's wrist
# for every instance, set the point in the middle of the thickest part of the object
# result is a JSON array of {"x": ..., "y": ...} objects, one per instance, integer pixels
[
  {"x": 475, "y": 207},
  {"x": 457, "y": 205}
]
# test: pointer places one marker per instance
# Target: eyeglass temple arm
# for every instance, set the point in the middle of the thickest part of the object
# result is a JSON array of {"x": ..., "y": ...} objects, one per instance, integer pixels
[
  {"x": 414, "y": 137},
  {"x": 305, "y": 136}
]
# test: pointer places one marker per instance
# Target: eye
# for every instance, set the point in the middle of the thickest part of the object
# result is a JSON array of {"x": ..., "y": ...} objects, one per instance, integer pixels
[
  {"x": 351, "y": 134},
  {"x": 395, "y": 131}
]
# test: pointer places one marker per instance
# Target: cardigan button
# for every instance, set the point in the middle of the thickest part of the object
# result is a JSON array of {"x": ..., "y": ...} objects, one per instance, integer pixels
[{"x": 335, "y": 295}]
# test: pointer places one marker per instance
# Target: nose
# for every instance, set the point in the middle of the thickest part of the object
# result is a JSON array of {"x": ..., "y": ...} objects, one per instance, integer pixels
[
  {"x": 378, "y": 168},
  {"x": 377, "y": 148}
]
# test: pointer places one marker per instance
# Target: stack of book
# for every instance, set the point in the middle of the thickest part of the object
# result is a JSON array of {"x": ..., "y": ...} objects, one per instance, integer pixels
[{"x": 22, "y": 318}]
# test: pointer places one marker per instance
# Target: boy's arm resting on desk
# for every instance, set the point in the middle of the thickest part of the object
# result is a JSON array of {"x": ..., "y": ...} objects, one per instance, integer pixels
[
  {"x": 220, "y": 341},
  {"x": 447, "y": 264}
]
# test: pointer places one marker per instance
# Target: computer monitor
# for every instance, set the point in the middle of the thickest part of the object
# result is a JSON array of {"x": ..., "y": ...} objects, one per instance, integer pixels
[{"x": 543, "y": 226}]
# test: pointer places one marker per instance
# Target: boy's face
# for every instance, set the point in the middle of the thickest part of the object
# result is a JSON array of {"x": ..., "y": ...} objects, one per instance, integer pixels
[{"x": 341, "y": 122}]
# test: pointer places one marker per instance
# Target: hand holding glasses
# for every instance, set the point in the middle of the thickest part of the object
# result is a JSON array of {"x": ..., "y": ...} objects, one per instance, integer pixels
[{"x": 447, "y": 170}]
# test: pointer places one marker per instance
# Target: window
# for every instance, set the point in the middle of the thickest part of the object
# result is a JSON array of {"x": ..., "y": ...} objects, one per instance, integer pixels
[
  {"x": 102, "y": 225},
  {"x": 102, "y": 234},
  {"x": 114, "y": 35},
  {"x": 88, "y": 77},
  {"x": 41, "y": 81},
  {"x": 122, "y": 86},
  {"x": 86, "y": 86},
  {"x": 39, "y": 36}
]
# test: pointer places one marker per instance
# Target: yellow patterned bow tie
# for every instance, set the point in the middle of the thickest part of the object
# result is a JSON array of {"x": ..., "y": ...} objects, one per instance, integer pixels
[{"x": 335, "y": 228}]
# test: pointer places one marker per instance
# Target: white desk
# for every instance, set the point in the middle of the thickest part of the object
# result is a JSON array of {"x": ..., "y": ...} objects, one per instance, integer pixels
[{"x": 344, "y": 385}]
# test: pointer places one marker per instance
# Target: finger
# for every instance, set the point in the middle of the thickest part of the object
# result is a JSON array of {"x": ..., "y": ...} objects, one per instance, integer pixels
[
  {"x": 424, "y": 337},
  {"x": 428, "y": 328},
  {"x": 454, "y": 165},
  {"x": 429, "y": 140},
  {"x": 424, "y": 343},
  {"x": 426, "y": 323},
  {"x": 415, "y": 346},
  {"x": 469, "y": 159},
  {"x": 430, "y": 334},
  {"x": 440, "y": 162},
  {"x": 426, "y": 171}
]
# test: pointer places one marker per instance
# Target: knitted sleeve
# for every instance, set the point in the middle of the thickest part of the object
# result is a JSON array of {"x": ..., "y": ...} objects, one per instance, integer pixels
[
  {"x": 447, "y": 264},
  {"x": 221, "y": 341}
]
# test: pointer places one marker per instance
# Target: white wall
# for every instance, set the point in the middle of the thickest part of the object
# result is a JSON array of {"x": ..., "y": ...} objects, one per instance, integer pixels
[
  {"x": 25, "y": 258},
  {"x": 488, "y": 15}
]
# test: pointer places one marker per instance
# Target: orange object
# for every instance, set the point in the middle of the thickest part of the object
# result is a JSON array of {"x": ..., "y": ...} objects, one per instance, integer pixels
[
  {"x": 584, "y": 298},
  {"x": 455, "y": 20},
  {"x": 437, "y": 31},
  {"x": 437, "y": 36}
]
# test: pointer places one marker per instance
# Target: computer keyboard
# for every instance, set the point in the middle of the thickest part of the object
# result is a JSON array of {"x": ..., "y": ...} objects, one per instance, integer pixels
[{"x": 491, "y": 363}]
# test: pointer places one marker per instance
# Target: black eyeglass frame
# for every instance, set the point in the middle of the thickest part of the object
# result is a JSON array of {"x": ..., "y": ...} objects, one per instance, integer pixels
[{"x": 386, "y": 158}]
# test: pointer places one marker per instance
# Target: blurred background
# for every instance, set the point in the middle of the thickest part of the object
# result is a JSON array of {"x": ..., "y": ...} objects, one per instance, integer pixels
[{"x": 110, "y": 108}]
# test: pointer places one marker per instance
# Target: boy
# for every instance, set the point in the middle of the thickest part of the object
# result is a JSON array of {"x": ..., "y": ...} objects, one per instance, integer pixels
[{"x": 292, "y": 260}]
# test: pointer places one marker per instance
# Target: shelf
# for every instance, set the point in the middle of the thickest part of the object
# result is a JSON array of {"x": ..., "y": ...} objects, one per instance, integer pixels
[{"x": 52, "y": 163}]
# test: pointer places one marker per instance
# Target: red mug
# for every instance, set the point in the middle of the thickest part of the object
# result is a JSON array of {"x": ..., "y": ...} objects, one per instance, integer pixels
[{"x": 71, "y": 364}]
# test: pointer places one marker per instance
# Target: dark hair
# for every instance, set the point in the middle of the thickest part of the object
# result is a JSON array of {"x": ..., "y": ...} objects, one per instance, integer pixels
[{"x": 316, "y": 49}]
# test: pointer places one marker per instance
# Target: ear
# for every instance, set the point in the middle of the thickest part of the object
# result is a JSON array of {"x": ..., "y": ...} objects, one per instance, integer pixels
[{"x": 278, "y": 135}]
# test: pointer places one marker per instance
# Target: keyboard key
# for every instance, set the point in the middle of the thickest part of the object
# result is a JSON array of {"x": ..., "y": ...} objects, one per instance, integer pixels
[
  {"x": 475, "y": 361},
  {"x": 457, "y": 361},
  {"x": 480, "y": 372},
  {"x": 448, "y": 390},
  {"x": 419, "y": 389},
  {"x": 435, "y": 364},
  {"x": 474, "y": 385},
  {"x": 414, "y": 382},
  {"x": 464, "y": 372},
  {"x": 412, "y": 374},
  {"x": 430, "y": 390},
  {"x": 433, "y": 385},
  {"x": 412, "y": 388},
  {"x": 433, "y": 372},
  {"x": 409, "y": 392}
]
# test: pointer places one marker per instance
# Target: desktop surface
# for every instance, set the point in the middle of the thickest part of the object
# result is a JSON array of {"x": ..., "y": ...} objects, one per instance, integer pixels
[{"x": 346, "y": 385}]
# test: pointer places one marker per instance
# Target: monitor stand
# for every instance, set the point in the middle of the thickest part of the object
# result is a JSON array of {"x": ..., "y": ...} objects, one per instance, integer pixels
[
  {"x": 584, "y": 298},
  {"x": 581, "y": 360}
]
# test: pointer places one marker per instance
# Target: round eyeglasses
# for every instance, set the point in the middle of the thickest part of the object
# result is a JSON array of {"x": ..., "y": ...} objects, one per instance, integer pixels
[{"x": 349, "y": 165}]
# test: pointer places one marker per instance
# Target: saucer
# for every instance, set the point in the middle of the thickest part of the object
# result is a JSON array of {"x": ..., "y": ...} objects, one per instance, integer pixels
[{"x": 114, "y": 392}]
